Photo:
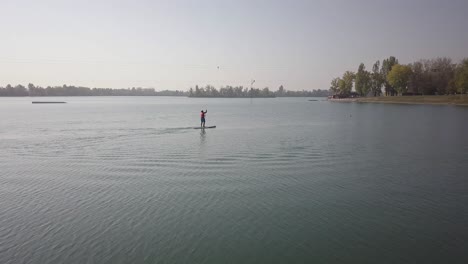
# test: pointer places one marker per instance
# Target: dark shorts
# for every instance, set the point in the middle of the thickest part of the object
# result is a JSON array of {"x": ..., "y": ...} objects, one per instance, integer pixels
[{"x": 203, "y": 119}]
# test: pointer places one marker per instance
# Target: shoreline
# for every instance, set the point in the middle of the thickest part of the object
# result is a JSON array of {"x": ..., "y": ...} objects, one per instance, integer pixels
[{"x": 458, "y": 100}]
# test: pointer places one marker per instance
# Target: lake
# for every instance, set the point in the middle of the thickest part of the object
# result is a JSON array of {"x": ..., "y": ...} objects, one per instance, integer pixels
[{"x": 283, "y": 180}]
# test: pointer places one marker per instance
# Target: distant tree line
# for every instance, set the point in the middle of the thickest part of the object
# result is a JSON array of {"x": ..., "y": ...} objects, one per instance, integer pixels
[
  {"x": 207, "y": 91},
  {"x": 70, "y": 90},
  {"x": 244, "y": 92},
  {"x": 425, "y": 77},
  {"x": 281, "y": 92}
]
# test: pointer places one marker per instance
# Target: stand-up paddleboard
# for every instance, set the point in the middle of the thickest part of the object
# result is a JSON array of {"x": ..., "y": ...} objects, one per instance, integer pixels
[{"x": 204, "y": 127}]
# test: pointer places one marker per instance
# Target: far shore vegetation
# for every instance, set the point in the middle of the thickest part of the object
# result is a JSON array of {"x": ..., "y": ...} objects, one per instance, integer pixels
[
  {"x": 459, "y": 99},
  {"x": 207, "y": 91},
  {"x": 70, "y": 90},
  {"x": 438, "y": 76},
  {"x": 244, "y": 92}
]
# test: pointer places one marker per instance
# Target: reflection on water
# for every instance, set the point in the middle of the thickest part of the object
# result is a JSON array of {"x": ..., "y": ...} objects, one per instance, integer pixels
[{"x": 202, "y": 136}]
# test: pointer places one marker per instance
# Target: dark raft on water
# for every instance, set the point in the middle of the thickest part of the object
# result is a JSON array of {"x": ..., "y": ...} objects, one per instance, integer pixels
[{"x": 50, "y": 102}]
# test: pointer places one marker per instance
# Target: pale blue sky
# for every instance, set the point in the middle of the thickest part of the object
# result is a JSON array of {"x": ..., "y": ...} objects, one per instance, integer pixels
[{"x": 177, "y": 44}]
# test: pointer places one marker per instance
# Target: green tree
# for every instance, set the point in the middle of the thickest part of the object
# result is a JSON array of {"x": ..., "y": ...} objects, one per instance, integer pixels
[
  {"x": 341, "y": 86},
  {"x": 335, "y": 85},
  {"x": 376, "y": 80},
  {"x": 359, "y": 79},
  {"x": 367, "y": 83},
  {"x": 362, "y": 83},
  {"x": 347, "y": 85},
  {"x": 461, "y": 77},
  {"x": 418, "y": 79},
  {"x": 452, "y": 88},
  {"x": 399, "y": 77},
  {"x": 387, "y": 65}
]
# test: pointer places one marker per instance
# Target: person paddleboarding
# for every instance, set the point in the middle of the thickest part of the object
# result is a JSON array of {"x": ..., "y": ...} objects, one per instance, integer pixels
[{"x": 202, "y": 115}]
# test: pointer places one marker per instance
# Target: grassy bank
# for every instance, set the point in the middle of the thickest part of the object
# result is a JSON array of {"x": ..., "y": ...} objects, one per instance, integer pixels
[{"x": 429, "y": 99}]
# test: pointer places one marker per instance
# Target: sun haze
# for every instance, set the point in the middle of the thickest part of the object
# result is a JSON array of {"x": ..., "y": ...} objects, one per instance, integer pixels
[{"x": 179, "y": 44}]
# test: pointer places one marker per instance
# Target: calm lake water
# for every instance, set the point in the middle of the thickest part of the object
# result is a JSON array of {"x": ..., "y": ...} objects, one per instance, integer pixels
[{"x": 285, "y": 180}]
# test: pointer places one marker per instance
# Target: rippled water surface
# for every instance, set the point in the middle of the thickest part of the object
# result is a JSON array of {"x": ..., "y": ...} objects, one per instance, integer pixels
[{"x": 285, "y": 180}]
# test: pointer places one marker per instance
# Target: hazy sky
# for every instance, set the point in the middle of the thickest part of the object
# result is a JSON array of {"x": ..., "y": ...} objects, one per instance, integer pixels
[{"x": 177, "y": 44}]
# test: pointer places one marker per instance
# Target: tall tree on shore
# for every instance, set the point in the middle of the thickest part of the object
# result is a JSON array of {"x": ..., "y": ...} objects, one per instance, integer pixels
[
  {"x": 348, "y": 79},
  {"x": 359, "y": 79},
  {"x": 461, "y": 77},
  {"x": 418, "y": 80},
  {"x": 376, "y": 80},
  {"x": 341, "y": 86},
  {"x": 387, "y": 65},
  {"x": 440, "y": 71},
  {"x": 433, "y": 76},
  {"x": 437, "y": 76},
  {"x": 9, "y": 90},
  {"x": 335, "y": 85},
  {"x": 20, "y": 90},
  {"x": 280, "y": 90},
  {"x": 399, "y": 77},
  {"x": 362, "y": 81}
]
